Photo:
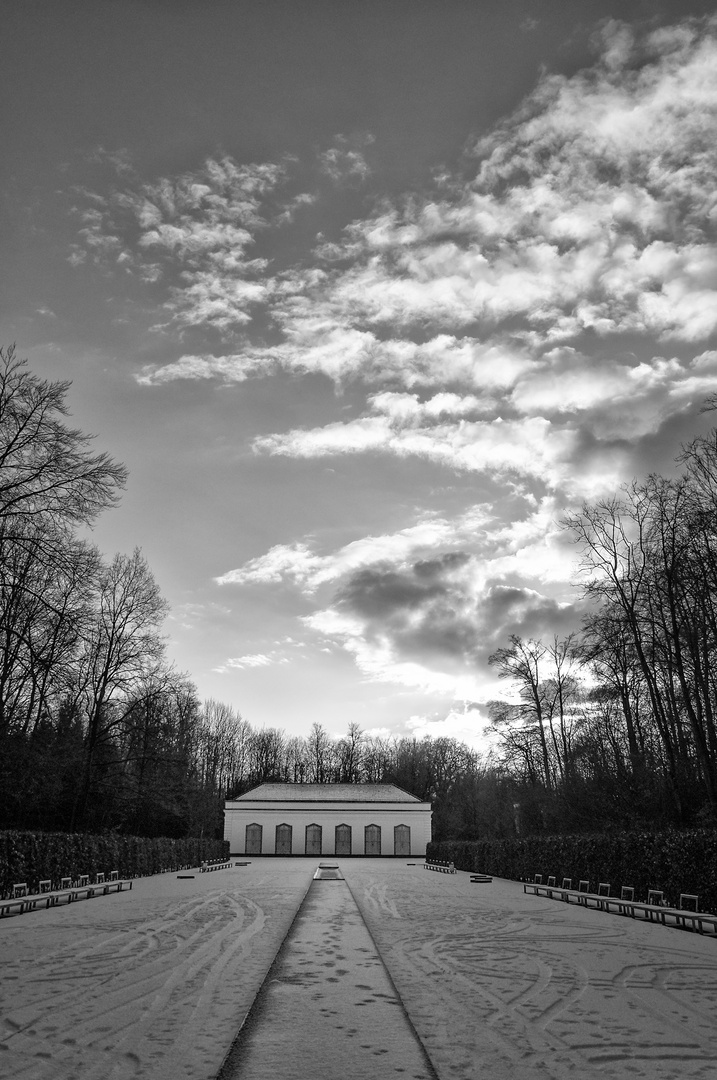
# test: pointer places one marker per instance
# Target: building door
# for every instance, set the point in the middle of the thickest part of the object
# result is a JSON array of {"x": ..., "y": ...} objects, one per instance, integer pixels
[
  {"x": 343, "y": 840},
  {"x": 253, "y": 840},
  {"x": 372, "y": 840},
  {"x": 402, "y": 840},
  {"x": 283, "y": 840},
  {"x": 313, "y": 839}
]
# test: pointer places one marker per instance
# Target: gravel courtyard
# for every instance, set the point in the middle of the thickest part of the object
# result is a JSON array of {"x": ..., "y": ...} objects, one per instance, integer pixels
[{"x": 155, "y": 982}]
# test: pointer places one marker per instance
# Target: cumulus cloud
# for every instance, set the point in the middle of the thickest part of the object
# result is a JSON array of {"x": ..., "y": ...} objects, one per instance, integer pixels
[
  {"x": 192, "y": 232},
  {"x": 612, "y": 397},
  {"x": 458, "y": 723},
  {"x": 530, "y": 317},
  {"x": 192, "y": 367},
  {"x": 444, "y": 608},
  {"x": 432, "y": 625},
  {"x": 376, "y": 657},
  {"x": 590, "y": 210},
  {"x": 250, "y": 661},
  {"x": 293, "y": 561},
  {"x": 425, "y": 606},
  {"x": 552, "y": 300},
  {"x": 345, "y": 161},
  {"x": 302, "y": 566},
  {"x": 529, "y": 446}
]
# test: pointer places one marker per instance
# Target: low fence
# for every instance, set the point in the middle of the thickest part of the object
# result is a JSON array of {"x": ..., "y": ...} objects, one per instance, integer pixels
[
  {"x": 675, "y": 862},
  {"x": 33, "y": 856}
]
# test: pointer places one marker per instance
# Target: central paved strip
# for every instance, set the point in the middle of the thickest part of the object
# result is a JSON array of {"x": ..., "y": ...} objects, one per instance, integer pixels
[{"x": 327, "y": 1008}]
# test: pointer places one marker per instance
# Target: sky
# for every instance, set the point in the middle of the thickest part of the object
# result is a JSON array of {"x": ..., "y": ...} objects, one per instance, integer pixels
[{"x": 367, "y": 295}]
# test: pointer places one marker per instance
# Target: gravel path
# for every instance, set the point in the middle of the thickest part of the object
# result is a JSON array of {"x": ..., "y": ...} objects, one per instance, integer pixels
[{"x": 328, "y": 1007}]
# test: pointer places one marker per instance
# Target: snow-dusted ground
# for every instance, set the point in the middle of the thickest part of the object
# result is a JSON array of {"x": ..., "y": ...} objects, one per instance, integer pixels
[
  {"x": 515, "y": 987},
  {"x": 152, "y": 982},
  {"x": 328, "y": 1008},
  {"x": 155, "y": 982}
]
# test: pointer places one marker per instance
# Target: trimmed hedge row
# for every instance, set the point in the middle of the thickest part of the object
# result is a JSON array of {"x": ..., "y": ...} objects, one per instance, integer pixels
[
  {"x": 676, "y": 862},
  {"x": 34, "y": 856}
]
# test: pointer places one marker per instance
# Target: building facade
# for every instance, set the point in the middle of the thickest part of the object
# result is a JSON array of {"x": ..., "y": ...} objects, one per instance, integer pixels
[{"x": 327, "y": 819}]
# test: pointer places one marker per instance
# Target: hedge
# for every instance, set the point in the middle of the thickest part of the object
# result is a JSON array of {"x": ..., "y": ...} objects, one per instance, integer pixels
[
  {"x": 32, "y": 857},
  {"x": 676, "y": 862}
]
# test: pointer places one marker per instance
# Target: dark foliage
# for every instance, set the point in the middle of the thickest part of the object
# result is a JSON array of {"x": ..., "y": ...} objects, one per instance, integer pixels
[
  {"x": 31, "y": 857},
  {"x": 673, "y": 861}
]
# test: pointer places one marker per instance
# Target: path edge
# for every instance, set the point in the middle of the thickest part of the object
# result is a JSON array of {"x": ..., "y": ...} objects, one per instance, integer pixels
[
  {"x": 229, "y": 1066},
  {"x": 433, "y": 1072}
]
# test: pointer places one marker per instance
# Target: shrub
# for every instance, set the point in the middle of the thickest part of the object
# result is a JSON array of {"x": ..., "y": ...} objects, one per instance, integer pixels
[
  {"x": 33, "y": 857},
  {"x": 676, "y": 862}
]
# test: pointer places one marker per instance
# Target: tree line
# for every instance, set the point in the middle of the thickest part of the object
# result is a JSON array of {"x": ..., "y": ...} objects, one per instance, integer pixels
[
  {"x": 98, "y": 730},
  {"x": 612, "y": 727},
  {"x": 443, "y": 770},
  {"x": 615, "y": 726}
]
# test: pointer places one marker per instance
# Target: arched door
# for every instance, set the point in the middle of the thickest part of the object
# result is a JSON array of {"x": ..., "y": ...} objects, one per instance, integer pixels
[
  {"x": 401, "y": 840},
  {"x": 313, "y": 839},
  {"x": 253, "y": 840},
  {"x": 343, "y": 840},
  {"x": 372, "y": 840},
  {"x": 283, "y": 840}
]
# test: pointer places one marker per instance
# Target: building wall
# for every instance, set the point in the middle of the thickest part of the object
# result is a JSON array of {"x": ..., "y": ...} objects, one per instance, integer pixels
[{"x": 237, "y": 815}]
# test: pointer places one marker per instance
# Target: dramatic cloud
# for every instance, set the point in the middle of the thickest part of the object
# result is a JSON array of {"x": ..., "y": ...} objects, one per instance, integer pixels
[
  {"x": 426, "y": 606},
  {"x": 530, "y": 320},
  {"x": 300, "y": 565},
  {"x": 433, "y": 625},
  {"x": 561, "y": 296},
  {"x": 591, "y": 210},
  {"x": 528, "y": 447},
  {"x": 443, "y": 609}
]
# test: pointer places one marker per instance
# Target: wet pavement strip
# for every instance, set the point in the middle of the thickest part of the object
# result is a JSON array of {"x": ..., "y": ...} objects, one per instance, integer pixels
[{"x": 327, "y": 1008}]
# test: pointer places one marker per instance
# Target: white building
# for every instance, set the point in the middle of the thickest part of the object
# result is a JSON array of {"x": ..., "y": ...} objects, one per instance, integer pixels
[{"x": 327, "y": 819}]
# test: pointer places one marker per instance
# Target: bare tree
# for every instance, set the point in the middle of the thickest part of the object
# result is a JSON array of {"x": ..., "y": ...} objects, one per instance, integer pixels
[
  {"x": 267, "y": 756},
  {"x": 46, "y": 468},
  {"x": 651, "y": 566},
  {"x": 520, "y": 663},
  {"x": 349, "y": 754},
  {"x": 320, "y": 755},
  {"x": 44, "y": 609},
  {"x": 122, "y": 648},
  {"x": 226, "y": 747}
]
